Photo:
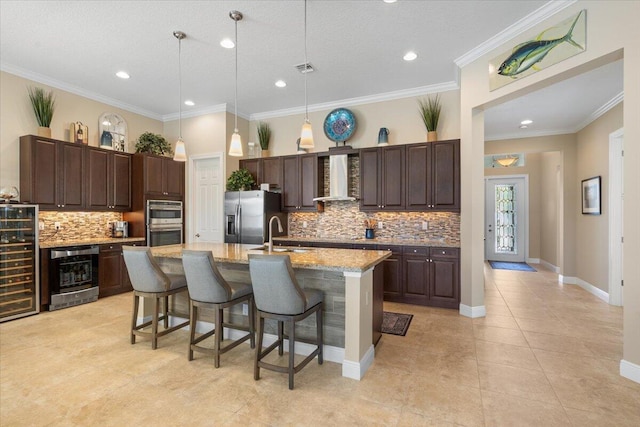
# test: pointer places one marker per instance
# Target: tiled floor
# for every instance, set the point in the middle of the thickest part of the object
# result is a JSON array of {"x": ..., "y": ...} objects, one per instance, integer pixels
[{"x": 545, "y": 355}]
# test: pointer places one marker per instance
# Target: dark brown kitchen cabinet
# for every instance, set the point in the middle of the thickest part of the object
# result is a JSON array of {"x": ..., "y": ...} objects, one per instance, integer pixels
[
  {"x": 433, "y": 176},
  {"x": 109, "y": 183},
  {"x": 267, "y": 170},
  {"x": 299, "y": 182},
  {"x": 52, "y": 173},
  {"x": 113, "y": 276},
  {"x": 162, "y": 176},
  {"x": 382, "y": 179},
  {"x": 444, "y": 279},
  {"x": 254, "y": 166},
  {"x": 392, "y": 273},
  {"x": 416, "y": 275}
]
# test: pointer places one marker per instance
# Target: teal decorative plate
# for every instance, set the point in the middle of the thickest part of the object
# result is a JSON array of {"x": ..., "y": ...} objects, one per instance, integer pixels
[{"x": 339, "y": 125}]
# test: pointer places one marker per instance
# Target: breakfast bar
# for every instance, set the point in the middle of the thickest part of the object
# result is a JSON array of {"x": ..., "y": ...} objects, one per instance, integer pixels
[{"x": 345, "y": 276}]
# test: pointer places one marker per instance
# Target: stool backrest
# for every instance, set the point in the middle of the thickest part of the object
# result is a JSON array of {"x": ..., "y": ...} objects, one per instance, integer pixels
[
  {"x": 144, "y": 271},
  {"x": 204, "y": 281},
  {"x": 275, "y": 288}
]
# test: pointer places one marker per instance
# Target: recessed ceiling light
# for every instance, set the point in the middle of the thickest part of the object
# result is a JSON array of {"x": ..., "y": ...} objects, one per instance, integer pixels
[
  {"x": 123, "y": 74},
  {"x": 281, "y": 83},
  {"x": 189, "y": 102},
  {"x": 389, "y": 1},
  {"x": 526, "y": 122},
  {"x": 410, "y": 56},
  {"x": 523, "y": 126},
  {"x": 227, "y": 43}
]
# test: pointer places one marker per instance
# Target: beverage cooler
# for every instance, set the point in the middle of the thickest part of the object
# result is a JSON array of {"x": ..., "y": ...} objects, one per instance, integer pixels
[{"x": 19, "y": 283}]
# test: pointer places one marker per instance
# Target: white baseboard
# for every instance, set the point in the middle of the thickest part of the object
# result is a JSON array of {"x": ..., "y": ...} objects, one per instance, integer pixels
[
  {"x": 473, "y": 312},
  {"x": 630, "y": 370},
  {"x": 604, "y": 296},
  {"x": 356, "y": 370},
  {"x": 549, "y": 266},
  {"x": 568, "y": 280},
  {"x": 533, "y": 260}
]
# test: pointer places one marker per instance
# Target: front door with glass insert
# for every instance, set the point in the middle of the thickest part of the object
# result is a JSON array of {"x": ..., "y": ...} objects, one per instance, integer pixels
[{"x": 506, "y": 219}]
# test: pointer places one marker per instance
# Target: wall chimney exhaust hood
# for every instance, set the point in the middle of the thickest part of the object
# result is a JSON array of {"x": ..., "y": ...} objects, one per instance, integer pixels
[{"x": 338, "y": 179}]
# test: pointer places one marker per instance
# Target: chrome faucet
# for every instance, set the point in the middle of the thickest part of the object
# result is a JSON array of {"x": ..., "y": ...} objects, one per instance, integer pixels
[{"x": 271, "y": 230}]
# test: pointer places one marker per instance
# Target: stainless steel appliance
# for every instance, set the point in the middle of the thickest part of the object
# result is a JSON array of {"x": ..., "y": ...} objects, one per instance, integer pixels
[
  {"x": 120, "y": 229},
  {"x": 73, "y": 276},
  {"x": 247, "y": 216},
  {"x": 164, "y": 222},
  {"x": 19, "y": 263}
]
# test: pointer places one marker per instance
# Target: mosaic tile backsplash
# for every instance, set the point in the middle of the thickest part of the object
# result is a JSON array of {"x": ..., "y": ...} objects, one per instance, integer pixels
[{"x": 76, "y": 225}]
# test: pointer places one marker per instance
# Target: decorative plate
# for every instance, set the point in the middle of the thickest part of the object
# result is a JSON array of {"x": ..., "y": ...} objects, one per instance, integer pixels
[{"x": 339, "y": 125}]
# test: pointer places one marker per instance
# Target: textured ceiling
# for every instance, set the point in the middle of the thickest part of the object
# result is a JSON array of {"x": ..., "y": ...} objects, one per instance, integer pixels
[{"x": 356, "y": 48}]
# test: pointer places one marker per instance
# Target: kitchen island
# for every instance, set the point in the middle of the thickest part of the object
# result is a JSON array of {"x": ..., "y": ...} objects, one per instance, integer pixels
[{"x": 345, "y": 276}]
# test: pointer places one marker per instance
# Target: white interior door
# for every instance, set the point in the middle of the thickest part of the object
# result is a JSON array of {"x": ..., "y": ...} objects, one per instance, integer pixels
[
  {"x": 616, "y": 203},
  {"x": 506, "y": 218},
  {"x": 206, "y": 199}
]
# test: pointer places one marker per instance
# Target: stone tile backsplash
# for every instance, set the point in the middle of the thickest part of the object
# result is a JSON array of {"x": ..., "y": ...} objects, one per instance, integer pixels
[{"x": 76, "y": 225}]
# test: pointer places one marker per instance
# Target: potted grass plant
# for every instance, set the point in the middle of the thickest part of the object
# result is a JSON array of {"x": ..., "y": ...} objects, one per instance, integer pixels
[
  {"x": 430, "y": 109},
  {"x": 43, "y": 104},
  {"x": 264, "y": 137}
]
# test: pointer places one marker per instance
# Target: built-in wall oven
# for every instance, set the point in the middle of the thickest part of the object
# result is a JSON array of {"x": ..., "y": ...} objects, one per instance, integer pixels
[
  {"x": 73, "y": 276},
  {"x": 164, "y": 222}
]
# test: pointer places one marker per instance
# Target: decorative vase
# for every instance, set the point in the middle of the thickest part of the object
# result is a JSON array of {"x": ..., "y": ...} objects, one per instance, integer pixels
[
  {"x": 106, "y": 140},
  {"x": 44, "y": 131},
  {"x": 383, "y": 136},
  {"x": 432, "y": 135},
  {"x": 369, "y": 233},
  {"x": 265, "y": 153}
]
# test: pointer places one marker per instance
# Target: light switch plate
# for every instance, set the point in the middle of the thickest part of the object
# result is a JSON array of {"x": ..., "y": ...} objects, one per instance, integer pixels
[
  {"x": 380, "y": 226},
  {"x": 425, "y": 225}
]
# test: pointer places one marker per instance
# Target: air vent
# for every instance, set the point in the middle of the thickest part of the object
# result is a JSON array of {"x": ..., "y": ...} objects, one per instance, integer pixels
[{"x": 308, "y": 69}]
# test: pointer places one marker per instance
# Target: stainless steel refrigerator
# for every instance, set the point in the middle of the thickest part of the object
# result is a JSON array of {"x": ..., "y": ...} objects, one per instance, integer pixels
[{"x": 247, "y": 215}]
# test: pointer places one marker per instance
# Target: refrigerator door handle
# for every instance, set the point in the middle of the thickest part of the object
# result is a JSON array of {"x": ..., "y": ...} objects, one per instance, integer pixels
[{"x": 238, "y": 222}]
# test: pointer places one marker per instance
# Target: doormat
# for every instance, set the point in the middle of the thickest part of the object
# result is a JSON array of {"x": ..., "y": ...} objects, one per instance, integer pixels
[
  {"x": 516, "y": 266},
  {"x": 395, "y": 323}
]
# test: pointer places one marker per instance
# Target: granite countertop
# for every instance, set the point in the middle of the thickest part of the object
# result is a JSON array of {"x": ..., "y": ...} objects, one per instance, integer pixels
[
  {"x": 362, "y": 241},
  {"x": 93, "y": 241},
  {"x": 312, "y": 258}
]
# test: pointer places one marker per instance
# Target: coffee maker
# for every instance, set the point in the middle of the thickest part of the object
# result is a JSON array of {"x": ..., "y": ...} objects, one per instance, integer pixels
[{"x": 120, "y": 229}]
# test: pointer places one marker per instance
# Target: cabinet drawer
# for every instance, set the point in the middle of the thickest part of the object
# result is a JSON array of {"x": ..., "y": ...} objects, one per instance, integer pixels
[
  {"x": 445, "y": 252},
  {"x": 111, "y": 247},
  {"x": 395, "y": 250},
  {"x": 416, "y": 250},
  {"x": 364, "y": 246}
]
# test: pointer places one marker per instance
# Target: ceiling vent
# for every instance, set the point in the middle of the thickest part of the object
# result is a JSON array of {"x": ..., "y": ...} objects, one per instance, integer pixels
[{"x": 308, "y": 69}]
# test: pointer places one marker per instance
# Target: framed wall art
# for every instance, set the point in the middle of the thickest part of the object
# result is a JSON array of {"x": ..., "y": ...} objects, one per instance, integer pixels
[{"x": 591, "y": 203}]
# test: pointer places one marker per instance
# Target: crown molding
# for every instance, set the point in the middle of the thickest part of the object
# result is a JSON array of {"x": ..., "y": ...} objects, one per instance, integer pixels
[
  {"x": 369, "y": 99},
  {"x": 542, "y": 13},
  {"x": 219, "y": 108},
  {"x": 36, "y": 77},
  {"x": 536, "y": 134},
  {"x": 600, "y": 111}
]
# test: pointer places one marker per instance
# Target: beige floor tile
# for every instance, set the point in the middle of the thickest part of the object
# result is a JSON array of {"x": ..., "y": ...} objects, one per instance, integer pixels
[
  {"x": 600, "y": 419},
  {"x": 544, "y": 326},
  {"x": 505, "y": 410},
  {"x": 501, "y": 335},
  {"x": 557, "y": 343},
  {"x": 573, "y": 365},
  {"x": 514, "y": 381},
  {"x": 447, "y": 368},
  {"x": 496, "y": 320},
  {"x": 506, "y": 354}
]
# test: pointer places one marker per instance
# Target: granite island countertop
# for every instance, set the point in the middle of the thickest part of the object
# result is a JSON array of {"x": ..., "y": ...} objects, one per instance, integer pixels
[
  {"x": 87, "y": 242},
  {"x": 353, "y": 260},
  {"x": 362, "y": 241}
]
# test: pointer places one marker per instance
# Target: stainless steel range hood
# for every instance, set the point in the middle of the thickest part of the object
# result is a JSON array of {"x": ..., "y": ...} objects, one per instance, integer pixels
[{"x": 338, "y": 179}]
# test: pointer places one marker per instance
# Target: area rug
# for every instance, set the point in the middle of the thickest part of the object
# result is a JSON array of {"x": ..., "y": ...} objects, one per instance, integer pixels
[
  {"x": 516, "y": 266},
  {"x": 395, "y": 323}
]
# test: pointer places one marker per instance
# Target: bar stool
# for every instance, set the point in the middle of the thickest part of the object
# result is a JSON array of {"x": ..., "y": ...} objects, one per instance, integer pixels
[
  {"x": 149, "y": 281},
  {"x": 208, "y": 289},
  {"x": 278, "y": 296}
]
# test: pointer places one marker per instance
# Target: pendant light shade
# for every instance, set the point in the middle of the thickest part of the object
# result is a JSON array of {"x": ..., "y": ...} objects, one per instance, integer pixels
[
  {"x": 235, "y": 148},
  {"x": 306, "y": 136},
  {"x": 180, "y": 153}
]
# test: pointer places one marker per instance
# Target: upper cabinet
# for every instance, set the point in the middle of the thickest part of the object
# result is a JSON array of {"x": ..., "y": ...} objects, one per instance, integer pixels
[
  {"x": 267, "y": 170},
  {"x": 52, "y": 173},
  {"x": 300, "y": 182},
  {"x": 109, "y": 184},
  {"x": 382, "y": 178},
  {"x": 161, "y": 177}
]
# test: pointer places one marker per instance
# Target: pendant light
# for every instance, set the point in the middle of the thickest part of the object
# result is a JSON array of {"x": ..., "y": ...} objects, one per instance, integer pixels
[
  {"x": 306, "y": 136},
  {"x": 180, "y": 153},
  {"x": 235, "y": 149}
]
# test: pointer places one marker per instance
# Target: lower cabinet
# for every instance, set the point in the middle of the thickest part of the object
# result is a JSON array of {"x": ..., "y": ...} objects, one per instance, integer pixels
[
  {"x": 113, "y": 276},
  {"x": 415, "y": 288},
  {"x": 444, "y": 278}
]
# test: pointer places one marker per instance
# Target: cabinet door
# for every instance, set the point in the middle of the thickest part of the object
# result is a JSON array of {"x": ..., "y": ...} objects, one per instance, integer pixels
[
  {"x": 272, "y": 171},
  {"x": 173, "y": 183},
  {"x": 153, "y": 179},
  {"x": 109, "y": 268},
  {"x": 369, "y": 180},
  {"x": 121, "y": 180},
  {"x": 254, "y": 167},
  {"x": 444, "y": 283},
  {"x": 125, "y": 281},
  {"x": 446, "y": 175},
  {"x": 393, "y": 174},
  {"x": 291, "y": 184},
  {"x": 392, "y": 278},
  {"x": 308, "y": 181},
  {"x": 418, "y": 183},
  {"x": 416, "y": 280},
  {"x": 98, "y": 196}
]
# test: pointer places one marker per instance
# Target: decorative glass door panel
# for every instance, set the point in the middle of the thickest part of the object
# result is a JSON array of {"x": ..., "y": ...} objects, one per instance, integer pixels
[{"x": 506, "y": 219}]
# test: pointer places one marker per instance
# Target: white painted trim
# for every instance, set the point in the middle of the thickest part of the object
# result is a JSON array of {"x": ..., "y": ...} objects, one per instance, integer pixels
[
  {"x": 630, "y": 370},
  {"x": 533, "y": 260},
  {"x": 369, "y": 99},
  {"x": 220, "y": 108},
  {"x": 616, "y": 247},
  {"x": 550, "y": 266},
  {"x": 190, "y": 198},
  {"x": 355, "y": 273},
  {"x": 600, "y": 111},
  {"x": 473, "y": 312},
  {"x": 356, "y": 370},
  {"x": 584, "y": 285},
  {"x": 541, "y": 14},
  {"x": 567, "y": 280}
]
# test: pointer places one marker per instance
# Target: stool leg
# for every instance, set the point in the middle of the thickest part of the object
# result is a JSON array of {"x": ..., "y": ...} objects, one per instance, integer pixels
[
  {"x": 218, "y": 337},
  {"x": 319, "y": 333},
  {"x": 280, "y": 338},
  {"x": 193, "y": 321},
  {"x": 256, "y": 367},
  {"x": 166, "y": 312},
  {"x": 134, "y": 321},
  {"x": 252, "y": 322},
  {"x": 292, "y": 352},
  {"x": 154, "y": 323}
]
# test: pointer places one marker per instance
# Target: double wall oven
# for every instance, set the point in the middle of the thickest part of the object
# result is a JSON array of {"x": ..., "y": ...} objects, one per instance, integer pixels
[{"x": 164, "y": 222}]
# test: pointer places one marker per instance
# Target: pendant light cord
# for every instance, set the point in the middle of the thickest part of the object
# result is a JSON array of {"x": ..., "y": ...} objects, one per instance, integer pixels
[
  {"x": 306, "y": 65},
  {"x": 236, "y": 90},
  {"x": 180, "y": 87}
]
